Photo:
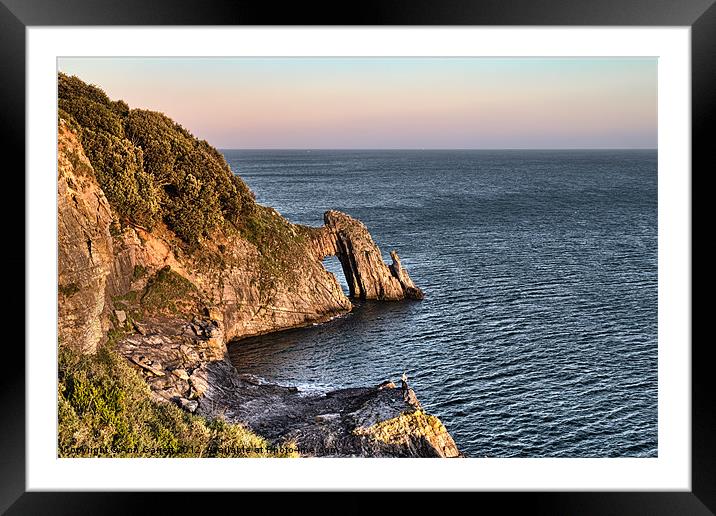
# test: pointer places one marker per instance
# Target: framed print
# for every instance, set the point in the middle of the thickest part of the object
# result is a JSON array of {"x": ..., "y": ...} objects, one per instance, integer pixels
[{"x": 422, "y": 249}]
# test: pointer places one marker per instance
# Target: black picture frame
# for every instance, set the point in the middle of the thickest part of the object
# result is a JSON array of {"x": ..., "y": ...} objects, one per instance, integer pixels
[{"x": 17, "y": 15}]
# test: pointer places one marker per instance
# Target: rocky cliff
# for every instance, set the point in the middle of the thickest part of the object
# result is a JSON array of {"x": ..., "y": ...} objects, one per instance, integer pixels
[
  {"x": 250, "y": 294},
  {"x": 85, "y": 247},
  {"x": 171, "y": 296}
]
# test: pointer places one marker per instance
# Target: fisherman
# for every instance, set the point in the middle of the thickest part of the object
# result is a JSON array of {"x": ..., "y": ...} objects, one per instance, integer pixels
[{"x": 408, "y": 394}]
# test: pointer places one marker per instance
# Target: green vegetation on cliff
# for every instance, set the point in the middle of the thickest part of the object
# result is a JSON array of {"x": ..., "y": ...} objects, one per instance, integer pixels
[
  {"x": 152, "y": 169},
  {"x": 168, "y": 291},
  {"x": 105, "y": 409}
]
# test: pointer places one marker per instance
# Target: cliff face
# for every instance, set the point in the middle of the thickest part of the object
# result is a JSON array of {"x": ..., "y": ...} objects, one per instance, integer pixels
[
  {"x": 252, "y": 295},
  {"x": 85, "y": 253},
  {"x": 171, "y": 307}
]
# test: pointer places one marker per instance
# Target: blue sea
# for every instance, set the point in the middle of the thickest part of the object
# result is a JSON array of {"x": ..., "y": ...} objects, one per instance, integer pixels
[{"x": 538, "y": 334}]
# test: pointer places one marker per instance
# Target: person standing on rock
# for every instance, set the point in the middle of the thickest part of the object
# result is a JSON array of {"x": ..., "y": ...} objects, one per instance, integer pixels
[{"x": 404, "y": 384}]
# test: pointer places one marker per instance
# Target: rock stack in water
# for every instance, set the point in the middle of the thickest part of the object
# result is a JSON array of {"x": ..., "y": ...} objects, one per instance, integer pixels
[{"x": 367, "y": 275}]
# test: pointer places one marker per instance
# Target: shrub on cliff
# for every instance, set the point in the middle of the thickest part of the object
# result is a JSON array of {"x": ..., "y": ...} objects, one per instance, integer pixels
[
  {"x": 151, "y": 168},
  {"x": 105, "y": 410},
  {"x": 199, "y": 190},
  {"x": 118, "y": 166},
  {"x": 90, "y": 106}
]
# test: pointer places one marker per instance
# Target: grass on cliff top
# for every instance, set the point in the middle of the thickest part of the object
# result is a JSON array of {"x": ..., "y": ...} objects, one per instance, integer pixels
[
  {"x": 277, "y": 241},
  {"x": 105, "y": 410}
]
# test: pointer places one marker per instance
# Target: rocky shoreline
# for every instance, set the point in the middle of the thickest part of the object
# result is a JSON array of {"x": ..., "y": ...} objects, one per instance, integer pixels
[{"x": 184, "y": 363}]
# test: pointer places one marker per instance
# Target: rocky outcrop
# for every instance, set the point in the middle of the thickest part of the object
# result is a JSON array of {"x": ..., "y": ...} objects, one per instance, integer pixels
[
  {"x": 412, "y": 433},
  {"x": 398, "y": 271},
  {"x": 84, "y": 251},
  {"x": 172, "y": 354},
  {"x": 368, "y": 277},
  {"x": 183, "y": 366}
]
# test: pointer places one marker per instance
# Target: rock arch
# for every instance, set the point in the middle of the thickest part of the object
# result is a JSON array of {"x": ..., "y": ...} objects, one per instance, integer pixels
[{"x": 368, "y": 277}]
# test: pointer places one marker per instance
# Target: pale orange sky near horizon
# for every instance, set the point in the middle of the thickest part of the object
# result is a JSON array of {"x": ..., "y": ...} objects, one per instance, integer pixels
[{"x": 370, "y": 103}]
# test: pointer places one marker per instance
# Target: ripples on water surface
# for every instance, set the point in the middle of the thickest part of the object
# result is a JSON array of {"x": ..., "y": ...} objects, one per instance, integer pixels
[{"x": 538, "y": 336}]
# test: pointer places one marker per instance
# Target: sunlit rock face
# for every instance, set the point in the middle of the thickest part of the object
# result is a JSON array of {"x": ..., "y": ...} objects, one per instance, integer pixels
[{"x": 368, "y": 277}]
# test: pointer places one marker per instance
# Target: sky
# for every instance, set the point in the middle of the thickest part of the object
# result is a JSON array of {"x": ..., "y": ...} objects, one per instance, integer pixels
[{"x": 391, "y": 103}]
